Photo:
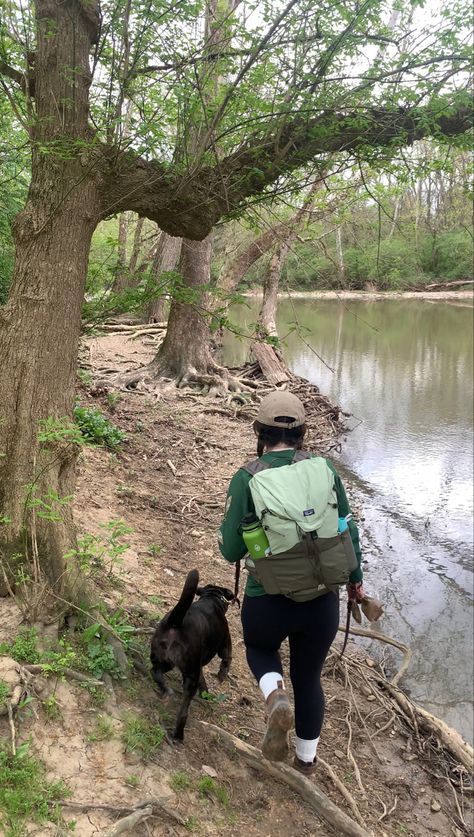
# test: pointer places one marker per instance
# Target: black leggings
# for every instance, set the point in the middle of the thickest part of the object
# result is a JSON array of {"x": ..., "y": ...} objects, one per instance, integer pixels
[{"x": 310, "y": 628}]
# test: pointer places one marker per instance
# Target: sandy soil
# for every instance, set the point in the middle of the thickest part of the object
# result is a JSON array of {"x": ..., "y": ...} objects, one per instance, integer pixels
[{"x": 169, "y": 483}]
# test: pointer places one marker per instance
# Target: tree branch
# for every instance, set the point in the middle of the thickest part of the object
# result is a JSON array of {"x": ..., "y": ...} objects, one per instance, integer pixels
[{"x": 190, "y": 205}]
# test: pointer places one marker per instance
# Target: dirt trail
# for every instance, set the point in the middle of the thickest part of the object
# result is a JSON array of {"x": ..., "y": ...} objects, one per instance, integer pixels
[{"x": 169, "y": 483}]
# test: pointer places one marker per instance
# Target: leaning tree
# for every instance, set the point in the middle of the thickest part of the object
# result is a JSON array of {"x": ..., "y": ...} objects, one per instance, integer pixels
[{"x": 296, "y": 84}]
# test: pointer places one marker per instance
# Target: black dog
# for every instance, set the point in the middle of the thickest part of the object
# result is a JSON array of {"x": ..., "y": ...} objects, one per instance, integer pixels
[{"x": 188, "y": 638}]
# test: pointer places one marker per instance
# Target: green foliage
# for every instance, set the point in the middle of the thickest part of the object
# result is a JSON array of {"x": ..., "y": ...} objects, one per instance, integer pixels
[
  {"x": 104, "y": 730},
  {"x": 23, "y": 648},
  {"x": 449, "y": 255},
  {"x": 180, "y": 781},
  {"x": 96, "y": 554},
  {"x": 96, "y": 428},
  {"x": 4, "y": 692},
  {"x": 25, "y": 793},
  {"x": 142, "y": 736},
  {"x": 210, "y": 788}
]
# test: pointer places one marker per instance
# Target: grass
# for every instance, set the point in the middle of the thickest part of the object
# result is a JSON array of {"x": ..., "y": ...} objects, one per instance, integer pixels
[
  {"x": 25, "y": 794},
  {"x": 104, "y": 730},
  {"x": 210, "y": 788},
  {"x": 180, "y": 781},
  {"x": 142, "y": 736},
  {"x": 23, "y": 648},
  {"x": 4, "y": 692},
  {"x": 133, "y": 780}
]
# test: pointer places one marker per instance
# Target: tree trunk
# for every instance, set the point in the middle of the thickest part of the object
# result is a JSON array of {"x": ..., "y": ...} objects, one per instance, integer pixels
[
  {"x": 40, "y": 325},
  {"x": 165, "y": 259},
  {"x": 185, "y": 353},
  {"x": 340, "y": 257},
  {"x": 137, "y": 243},
  {"x": 267, "y": 317},
  {"x": 121, "y": 273}
]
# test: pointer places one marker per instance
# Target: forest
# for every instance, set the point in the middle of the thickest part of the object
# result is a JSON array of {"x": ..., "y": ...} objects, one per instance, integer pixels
[{"x": 160, "y": 163}]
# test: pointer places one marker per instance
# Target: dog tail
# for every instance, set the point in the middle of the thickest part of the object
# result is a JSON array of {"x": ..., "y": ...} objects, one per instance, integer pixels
[{"x": 175, "y": 618}]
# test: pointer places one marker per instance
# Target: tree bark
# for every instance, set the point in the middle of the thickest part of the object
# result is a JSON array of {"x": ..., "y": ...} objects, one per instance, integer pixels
[
  {"x": 166, "y": 258},
  {"x": 121, "y": 272},
  {"x": 340, "y": 257},
  {"x": 137, "y": 244},
  {"x": 40, "y": 325},
  {"x": 185, "y": 353}
]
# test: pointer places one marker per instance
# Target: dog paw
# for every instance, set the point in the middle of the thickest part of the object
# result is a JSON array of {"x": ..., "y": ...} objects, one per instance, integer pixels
[
  {"x": 177, "y": 738},
  {"x": 166, "y": 695},
  {"x": 222, "y": 674}
]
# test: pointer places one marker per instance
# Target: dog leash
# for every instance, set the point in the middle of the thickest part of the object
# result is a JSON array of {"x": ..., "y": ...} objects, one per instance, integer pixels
[
  {"x": 237, "y": 583},
  {"x": 346, "y": 632}
]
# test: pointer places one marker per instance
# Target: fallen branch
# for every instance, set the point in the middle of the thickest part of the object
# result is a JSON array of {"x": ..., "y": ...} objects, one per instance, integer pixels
[
  {"x": 130, "y": 821},
  {"x": 157, "y": 805},
  {"x": 343, "y": 790},
  {"x": 12, "y": 726},
  {"x": 317, "y": 800},
  {"x": 67, "y": 672},
  {"x": 449, "y": 738},
  {"x": 405, "y": 649}
]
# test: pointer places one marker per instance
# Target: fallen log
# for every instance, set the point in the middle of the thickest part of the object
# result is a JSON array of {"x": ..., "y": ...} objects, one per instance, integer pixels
[
  {"x": 271, "y": 366},
  {"x": 318, "y": 801}
]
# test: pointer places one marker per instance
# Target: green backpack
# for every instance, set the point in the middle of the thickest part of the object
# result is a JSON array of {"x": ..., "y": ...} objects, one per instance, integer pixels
[{"x": 297, "y": 507}]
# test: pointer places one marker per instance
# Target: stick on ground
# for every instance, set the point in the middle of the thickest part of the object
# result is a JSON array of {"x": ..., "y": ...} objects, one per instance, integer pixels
[{"x": 318, "y": 801}]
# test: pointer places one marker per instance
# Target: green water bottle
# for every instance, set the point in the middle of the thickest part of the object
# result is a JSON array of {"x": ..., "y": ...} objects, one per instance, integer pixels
[{"x": 254, "y": 536}]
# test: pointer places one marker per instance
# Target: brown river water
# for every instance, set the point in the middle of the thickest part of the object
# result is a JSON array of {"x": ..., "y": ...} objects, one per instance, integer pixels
[{"x": 404, "y": 369}]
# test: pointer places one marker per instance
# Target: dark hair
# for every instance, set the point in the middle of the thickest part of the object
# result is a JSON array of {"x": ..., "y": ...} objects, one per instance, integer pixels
[{"x": 269, "y": 436}]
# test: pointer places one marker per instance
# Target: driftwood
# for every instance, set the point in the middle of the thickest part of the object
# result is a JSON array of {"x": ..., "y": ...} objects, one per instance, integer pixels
[
  {"x": 272, "y": 368},
  {"x": 448, "y": 737},
  {"x": 130, "y": 822},
  {"x": 125, "y": 329},
  {"x": 388, "y": 641},
  {"x": 442, "y": 285},
  {"x": 318, "y": 801}
]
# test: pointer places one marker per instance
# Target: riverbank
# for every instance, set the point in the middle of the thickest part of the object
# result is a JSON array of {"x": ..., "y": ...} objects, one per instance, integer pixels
[
  {"x": 372, "y": 295},
  {"x": 168, "y": 483}
]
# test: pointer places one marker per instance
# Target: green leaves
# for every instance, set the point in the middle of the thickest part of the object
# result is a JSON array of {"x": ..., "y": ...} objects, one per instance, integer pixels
[{"x": 96, "y": 429}]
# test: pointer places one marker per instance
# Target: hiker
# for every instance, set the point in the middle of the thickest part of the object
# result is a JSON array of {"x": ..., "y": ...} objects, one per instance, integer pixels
[{"x": 288, "y": 513}]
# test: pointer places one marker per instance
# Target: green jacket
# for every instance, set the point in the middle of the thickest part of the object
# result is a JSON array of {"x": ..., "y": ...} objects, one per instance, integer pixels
[{"x": 239, "y": 503}]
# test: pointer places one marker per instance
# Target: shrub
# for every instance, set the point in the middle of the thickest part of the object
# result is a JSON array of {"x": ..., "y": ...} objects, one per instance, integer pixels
[{"x": 96, "y": 428}]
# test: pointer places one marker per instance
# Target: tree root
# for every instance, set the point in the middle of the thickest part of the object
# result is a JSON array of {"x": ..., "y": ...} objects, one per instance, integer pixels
[
  {"x": 67, "y": 672},
  {"x": 156, "y": 807},
  {"x": 318, "y": 801}
]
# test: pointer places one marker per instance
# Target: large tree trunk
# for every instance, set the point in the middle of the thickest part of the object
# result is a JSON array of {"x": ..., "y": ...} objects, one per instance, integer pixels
[
  {"x": 185, "y": 353},
  {"x": 165, "y": 259},
  {"x": 40, "y": 325}
]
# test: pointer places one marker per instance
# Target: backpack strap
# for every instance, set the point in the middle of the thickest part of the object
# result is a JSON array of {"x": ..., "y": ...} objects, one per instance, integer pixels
[{"x": 256, "y": 465}]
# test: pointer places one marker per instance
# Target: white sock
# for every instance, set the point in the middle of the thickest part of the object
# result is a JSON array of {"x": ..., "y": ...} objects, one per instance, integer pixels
[
  {"x": 269, "y": 682},
  {"x": 306, "y": 748}
]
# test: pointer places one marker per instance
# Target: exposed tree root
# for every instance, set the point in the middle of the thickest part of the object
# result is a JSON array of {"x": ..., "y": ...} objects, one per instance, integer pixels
[{"x": 318, "y": 800}]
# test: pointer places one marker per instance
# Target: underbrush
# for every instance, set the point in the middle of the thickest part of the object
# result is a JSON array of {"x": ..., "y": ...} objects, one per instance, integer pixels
[
  {"x": 96, "y": 428},
  {"x": 25, "y": 793}
]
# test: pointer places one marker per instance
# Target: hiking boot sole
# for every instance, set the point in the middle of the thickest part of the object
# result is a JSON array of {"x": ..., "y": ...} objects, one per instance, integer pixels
[{"x": 275, "y": 745}]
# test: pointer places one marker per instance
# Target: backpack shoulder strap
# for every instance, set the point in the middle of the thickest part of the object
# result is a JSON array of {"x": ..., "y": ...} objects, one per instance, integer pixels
[
  {"x": 255, "y": 467},
  {"x": 300, "y": 455}
]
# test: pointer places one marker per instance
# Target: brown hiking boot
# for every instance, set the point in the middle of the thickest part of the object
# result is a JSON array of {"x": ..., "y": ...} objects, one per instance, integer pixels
[
  {"x": 280, "y": 721},
  {"x": 305, "y": 767}
]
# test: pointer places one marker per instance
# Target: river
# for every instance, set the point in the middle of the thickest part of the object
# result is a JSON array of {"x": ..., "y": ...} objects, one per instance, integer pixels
[{"x": 404, "y": 370}]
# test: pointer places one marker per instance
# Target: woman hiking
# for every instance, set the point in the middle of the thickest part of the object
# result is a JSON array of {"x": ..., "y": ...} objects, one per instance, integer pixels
[{"x": 288, "y": 513}]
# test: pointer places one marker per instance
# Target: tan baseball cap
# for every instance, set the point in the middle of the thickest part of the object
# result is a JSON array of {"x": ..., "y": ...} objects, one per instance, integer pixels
[{"x": 278, "y": 405}]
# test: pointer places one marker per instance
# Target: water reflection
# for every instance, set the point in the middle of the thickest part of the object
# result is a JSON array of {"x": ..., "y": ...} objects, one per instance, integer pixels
[{"x": 405, "y": 368}]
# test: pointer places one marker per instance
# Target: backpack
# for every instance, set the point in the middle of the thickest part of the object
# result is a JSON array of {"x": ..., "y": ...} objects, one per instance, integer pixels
[{"x": 297, "y": 507}]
